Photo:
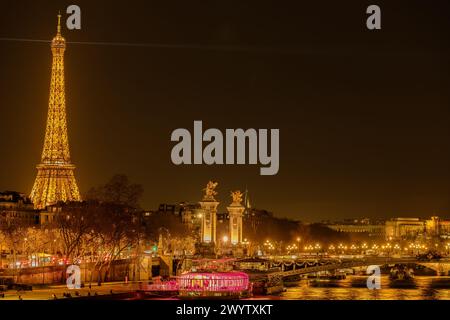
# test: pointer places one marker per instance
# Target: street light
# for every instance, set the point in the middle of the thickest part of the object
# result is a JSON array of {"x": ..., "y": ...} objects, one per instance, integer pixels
[{"x": 364, "y": 248}]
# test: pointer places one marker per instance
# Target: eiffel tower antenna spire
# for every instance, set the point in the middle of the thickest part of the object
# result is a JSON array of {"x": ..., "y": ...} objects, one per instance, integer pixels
[
  {"x": 55, "y": 180},
  {"x": 59, "y": 23}
]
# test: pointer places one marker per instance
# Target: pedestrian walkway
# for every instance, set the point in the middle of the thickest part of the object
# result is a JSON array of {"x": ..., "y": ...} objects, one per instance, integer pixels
[{"x": 61, "y": 291}]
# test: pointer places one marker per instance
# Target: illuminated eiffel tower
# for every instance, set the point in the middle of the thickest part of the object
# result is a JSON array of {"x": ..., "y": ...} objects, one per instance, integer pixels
[{"x": 55, "y": 179}]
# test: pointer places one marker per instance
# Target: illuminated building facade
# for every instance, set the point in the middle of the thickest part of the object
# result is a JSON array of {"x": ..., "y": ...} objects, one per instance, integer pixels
[
  {"x": 411, "y": 228},
  {"x": 370, "y": 230},
  {"x": 55, "y": 179},
  {"x": 404, "y": 228},
  {"x": 17, "y": 206},
  {"x": 47, "y": 215},
  {"x": 437, "y": 227}
]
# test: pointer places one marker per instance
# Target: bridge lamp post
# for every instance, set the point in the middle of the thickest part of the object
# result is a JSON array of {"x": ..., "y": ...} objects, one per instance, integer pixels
[
  {"x": 269, "y": 246},
  {"x": 388, "y": 246},
  {"x": 225, "y": 240},
  {"x": 317, "y": 247},
  {"x": 295, "y": 248},
  {"x": 309, "y": 248},
  {"x": 266, "y": 245},
  {"x": 364, "y": 248},
  {"x": 298, "y": 243},
  {"x": 331, "y": 248},
  {"x": 375, "y": 247},
  {"x": 419, "y": 247}
]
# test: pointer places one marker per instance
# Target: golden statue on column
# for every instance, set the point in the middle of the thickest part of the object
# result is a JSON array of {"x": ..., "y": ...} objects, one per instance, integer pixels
[
  {"x": 210, "y": 191},
  {"x": 237, "y": 197},
  {"x": 209, "y": 207}
]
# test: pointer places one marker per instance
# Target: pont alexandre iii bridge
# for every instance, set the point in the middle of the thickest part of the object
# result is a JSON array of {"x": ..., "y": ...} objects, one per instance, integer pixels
[{"x": 303, "y": 267}]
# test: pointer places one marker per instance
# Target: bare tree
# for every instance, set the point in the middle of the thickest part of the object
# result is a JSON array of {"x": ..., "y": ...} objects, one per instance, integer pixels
[
  {"x": 75, "y": 227},
  {"x": 13, "y": 231},
  {"x": 117, "y": 190}
]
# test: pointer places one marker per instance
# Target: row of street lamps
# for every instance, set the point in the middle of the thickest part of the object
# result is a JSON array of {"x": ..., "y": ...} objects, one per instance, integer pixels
[{"x": 364, "y": 248}]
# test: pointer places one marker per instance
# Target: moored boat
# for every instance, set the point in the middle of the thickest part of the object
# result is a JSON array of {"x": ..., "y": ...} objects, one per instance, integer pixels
[{"x": 214, "y": 285}]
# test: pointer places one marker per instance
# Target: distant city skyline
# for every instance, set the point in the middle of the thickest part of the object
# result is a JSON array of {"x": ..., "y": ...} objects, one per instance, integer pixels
[{"x": 363, "y": 116}]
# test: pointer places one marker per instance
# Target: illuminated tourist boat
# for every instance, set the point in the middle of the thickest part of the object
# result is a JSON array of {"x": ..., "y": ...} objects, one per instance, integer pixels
[{"x": 208, "y": 285}]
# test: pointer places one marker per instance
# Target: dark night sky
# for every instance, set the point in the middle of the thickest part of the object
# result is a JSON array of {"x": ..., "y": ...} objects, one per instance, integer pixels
[{"x": 363, "y": 116}]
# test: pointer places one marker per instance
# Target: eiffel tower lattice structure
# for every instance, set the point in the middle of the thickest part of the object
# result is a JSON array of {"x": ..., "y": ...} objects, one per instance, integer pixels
[{"x": 55, "y": 180}]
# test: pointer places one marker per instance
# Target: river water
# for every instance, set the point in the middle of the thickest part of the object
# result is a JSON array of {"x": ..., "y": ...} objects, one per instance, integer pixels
[
  {"x": 423, "y": 288},
  {"x": 354, "y": 288}
]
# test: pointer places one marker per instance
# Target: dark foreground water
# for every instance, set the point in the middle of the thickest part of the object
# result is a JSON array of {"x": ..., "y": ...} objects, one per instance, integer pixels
[
  {"x": 354, "y": 288},
  {"x": 423, "y": 288}
]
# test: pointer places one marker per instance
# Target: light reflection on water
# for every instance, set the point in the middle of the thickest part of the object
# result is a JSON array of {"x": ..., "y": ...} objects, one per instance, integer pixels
[{"x": 426, "y": 288}]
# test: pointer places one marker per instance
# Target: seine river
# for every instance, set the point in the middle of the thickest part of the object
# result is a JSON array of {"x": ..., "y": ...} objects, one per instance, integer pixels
[
  {"x": 423, "y": 288},
  {"x": 354, "y": 288}
]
